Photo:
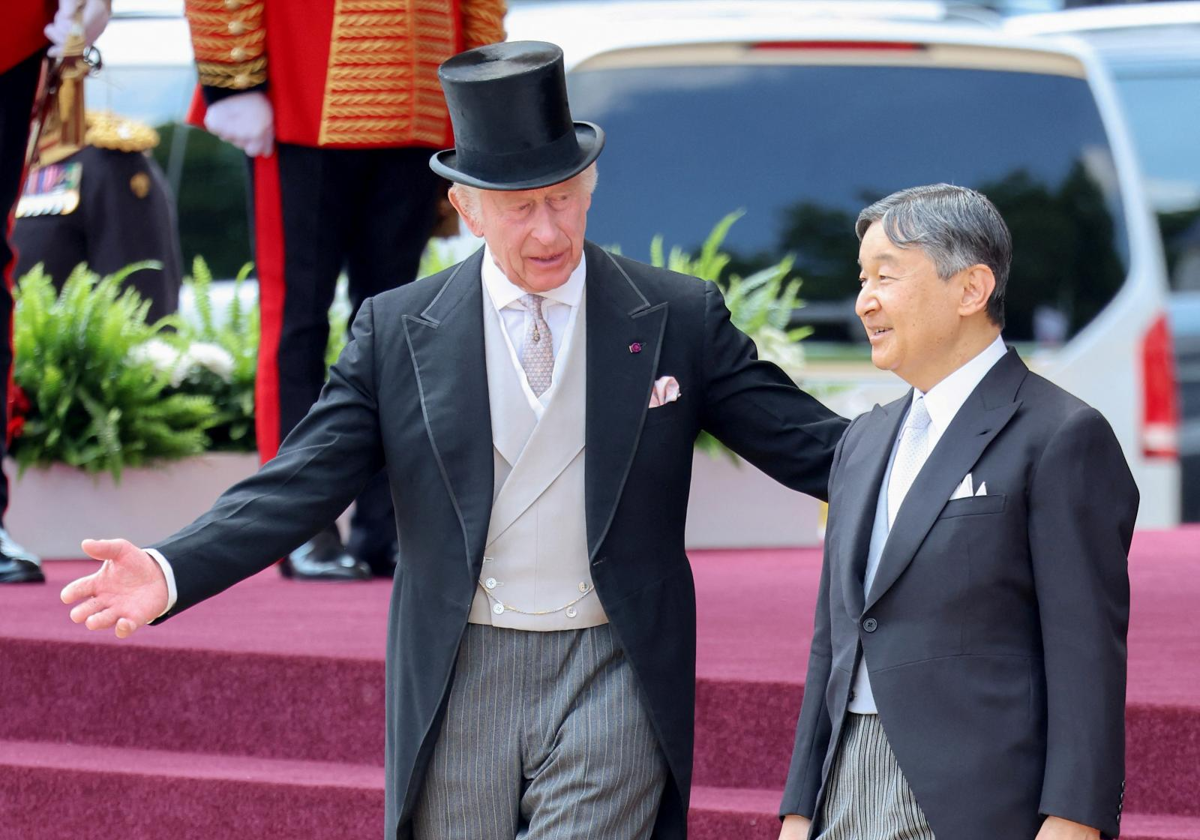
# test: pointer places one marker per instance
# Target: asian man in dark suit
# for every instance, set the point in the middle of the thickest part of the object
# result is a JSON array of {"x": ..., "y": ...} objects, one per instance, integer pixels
[{"x": 968, "y": 665}]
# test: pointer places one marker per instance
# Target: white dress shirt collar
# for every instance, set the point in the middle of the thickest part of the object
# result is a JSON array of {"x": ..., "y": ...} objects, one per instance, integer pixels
[
  {"x": 945, "y": 398},
  {"x": 504, "y": 292}
]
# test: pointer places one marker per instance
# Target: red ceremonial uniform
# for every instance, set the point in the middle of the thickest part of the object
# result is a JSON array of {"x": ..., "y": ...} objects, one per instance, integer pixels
[
  {"x": 342, "y": 73},
  {"x": 22, "y": 41},
  {"x": 21, "y": 35}
]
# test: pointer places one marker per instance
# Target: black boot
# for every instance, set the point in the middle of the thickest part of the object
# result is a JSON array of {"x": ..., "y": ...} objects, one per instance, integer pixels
[
  {"x": 16, "y": 564},
  {"x": 323, "y": 558}
]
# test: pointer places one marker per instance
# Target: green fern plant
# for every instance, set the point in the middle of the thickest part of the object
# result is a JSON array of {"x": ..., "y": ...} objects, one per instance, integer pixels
[
  {"x": 94, "y": 403},
  {"x": 219, "y": 358}
]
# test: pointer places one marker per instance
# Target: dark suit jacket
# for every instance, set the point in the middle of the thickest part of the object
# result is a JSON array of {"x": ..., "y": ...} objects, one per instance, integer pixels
[
  {"x": 410, "y": 395},
  {"x": 994, "y": 632}
]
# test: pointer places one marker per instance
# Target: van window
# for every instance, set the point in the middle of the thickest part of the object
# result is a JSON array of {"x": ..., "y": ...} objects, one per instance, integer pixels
[
  {"x": 803, "y": 148},
  {"x": 1170, "y": 162}
]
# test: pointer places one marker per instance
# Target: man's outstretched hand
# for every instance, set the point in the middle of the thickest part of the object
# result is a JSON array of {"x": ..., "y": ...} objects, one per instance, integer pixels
[{"x": 128, "y": 591}]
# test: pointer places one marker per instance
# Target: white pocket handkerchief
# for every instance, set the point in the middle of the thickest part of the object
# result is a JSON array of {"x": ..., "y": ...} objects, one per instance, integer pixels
[
  {"x": 982, "y": 491},
  {"x": 666, "y": 390},
  {"x": 965, "y": 489}
]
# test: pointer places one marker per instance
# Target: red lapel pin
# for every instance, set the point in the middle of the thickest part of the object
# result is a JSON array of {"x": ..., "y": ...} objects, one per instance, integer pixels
[{"x": 636, "y": 347}]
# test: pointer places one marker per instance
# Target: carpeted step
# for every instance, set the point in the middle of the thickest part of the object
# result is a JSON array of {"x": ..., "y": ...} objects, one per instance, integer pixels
[
  {"x": 305, "y": 708},
  {"x": 719, "y": 813},
  {"x": 308, "y": 708},
  {"x": 57, "y": 791},
  {"x": 1159, "y": 827},
  {"x": 293, "y": 672}
]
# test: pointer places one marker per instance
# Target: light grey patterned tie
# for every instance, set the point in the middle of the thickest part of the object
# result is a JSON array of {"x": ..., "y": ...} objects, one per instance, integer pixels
[
  {"x": 537, "y": 353},
  {"x": 910, "y": 457}
]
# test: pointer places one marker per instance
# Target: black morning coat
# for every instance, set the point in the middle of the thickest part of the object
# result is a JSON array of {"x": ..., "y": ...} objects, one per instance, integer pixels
[
  {"x": 994, "y": 632},
  {"x": 409, "y": 395}
]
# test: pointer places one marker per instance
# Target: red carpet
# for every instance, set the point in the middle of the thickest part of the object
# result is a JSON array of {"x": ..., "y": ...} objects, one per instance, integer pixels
[{"x": 260, "y": 714}]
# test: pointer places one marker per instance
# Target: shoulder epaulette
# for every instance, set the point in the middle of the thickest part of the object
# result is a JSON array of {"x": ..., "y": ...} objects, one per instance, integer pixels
[{"x": 106, "y": 130}]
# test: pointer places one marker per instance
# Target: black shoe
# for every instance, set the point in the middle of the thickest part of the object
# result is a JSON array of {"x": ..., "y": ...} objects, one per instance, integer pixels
[
  {"x": 379, "y": 556},
  {"x": 16, "y": 564},
  {"x": 323, "y": 558}
]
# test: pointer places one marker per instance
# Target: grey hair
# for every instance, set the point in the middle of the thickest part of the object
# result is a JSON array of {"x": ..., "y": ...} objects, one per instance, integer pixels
[
  {"x": 956, "y": 227},
  {"x": 468, "y": 196}
]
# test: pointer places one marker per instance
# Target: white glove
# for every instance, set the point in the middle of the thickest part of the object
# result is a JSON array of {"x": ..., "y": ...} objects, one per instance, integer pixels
[
  {"x": 95, "y": 17},
  {"x": 246, "y": 120}
]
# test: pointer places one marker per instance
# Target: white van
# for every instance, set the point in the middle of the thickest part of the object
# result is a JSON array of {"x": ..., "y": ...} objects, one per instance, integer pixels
[
  {"x": 802, "y": 114},
  {"x": 1153, "y": 54}
]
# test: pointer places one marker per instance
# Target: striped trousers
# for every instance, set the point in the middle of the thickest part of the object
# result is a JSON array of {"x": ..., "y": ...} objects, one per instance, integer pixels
[
  {"x": 868, "y": 797},
  {"x": 546, "y": 737}
]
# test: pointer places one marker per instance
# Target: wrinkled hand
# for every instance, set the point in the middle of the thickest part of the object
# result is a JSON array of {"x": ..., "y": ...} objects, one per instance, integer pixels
[
  {"x": 795, "y": 827},
  {"x": 1056, "y": 828},
  {"x": 95, "y": 17},
  {"x": 246, "y": 120},
  {"x": 128, "y": 591}
]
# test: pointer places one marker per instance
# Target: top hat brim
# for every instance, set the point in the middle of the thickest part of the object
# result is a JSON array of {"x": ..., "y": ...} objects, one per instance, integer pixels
[{"x": 591, "y": 142}]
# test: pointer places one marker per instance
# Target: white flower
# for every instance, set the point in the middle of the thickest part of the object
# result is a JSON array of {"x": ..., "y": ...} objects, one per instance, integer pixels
[
  {"x": 204, "y": 356},
  {"x": 162, "y": 356}
]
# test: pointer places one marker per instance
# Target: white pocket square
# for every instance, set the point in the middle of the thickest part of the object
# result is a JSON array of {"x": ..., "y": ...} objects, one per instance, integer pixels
[
  {"x": 666, "y": 390},
  {"x": 966, "y": 489}
]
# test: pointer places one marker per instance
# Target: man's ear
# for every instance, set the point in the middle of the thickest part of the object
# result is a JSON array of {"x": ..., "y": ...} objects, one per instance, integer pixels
[
  {"x": 464, "y": 212},
  {"x": 977, "y": 283}
]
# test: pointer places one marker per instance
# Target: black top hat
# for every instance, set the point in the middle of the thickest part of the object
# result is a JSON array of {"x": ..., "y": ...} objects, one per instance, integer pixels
[{"x": 512, "y": 124}]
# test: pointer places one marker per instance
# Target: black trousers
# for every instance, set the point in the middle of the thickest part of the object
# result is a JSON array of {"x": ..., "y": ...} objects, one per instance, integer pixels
[
  {"x": 318, "y": 212},
  {"x": 18, "y": 86}
]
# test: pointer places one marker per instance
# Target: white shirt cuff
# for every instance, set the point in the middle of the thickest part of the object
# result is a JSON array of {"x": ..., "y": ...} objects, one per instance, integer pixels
[{"x": 169, "y": 574}]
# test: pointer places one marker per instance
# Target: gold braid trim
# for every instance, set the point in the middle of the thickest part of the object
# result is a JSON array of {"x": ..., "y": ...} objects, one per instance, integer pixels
[
  {"x": 363, "y": 134},
  {"x": 368, "y": 19},
  {"x": 381, "y": 81},
  {"x": 106, "y": 130},
  {"x": 352, "y": 83},
  {"x": 349, "y": 7},
  {"x": 229, "y": 44},
  {"x": 483, "y": 22},
  {"x": 251, "y": 16},
  {"x": 354, "y": 48},
  {"x": 253, "y": 40},
  {"x": 233, "y": 76}
]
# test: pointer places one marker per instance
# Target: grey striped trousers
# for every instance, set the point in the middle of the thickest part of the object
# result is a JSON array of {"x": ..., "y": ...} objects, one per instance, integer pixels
[
  {"x": 868, "y": 797},
  {"x": 546, "y": 736}
]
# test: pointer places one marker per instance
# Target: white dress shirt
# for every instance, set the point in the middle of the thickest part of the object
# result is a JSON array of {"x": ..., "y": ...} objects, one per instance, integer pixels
[
  {"x": 943, "y": 402},
  {"x": 560, "y": 309}
]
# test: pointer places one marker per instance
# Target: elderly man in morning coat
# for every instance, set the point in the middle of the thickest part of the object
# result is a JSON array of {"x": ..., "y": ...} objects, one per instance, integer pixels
[{"x": 535, "y": 409}]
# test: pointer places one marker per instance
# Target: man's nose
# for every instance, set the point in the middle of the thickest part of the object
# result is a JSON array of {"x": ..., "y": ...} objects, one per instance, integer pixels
[
  {"x": 866, "y": 303},
  {"x": 544, "y": 230}
]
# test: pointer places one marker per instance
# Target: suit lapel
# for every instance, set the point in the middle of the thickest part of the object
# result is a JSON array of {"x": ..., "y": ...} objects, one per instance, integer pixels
[
  {"x": 619, "y": 383},
  {"x": 447, "y": 347},
  {"x": 989, "y": 408},
  {"x": 863, "y": 471}
]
